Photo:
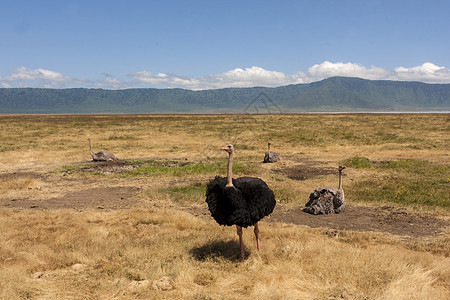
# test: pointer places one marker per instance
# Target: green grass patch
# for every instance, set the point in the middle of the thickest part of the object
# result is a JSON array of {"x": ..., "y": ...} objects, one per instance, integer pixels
[
  {"x": 411, "y": 165},
  {"x": 190, "y": 169},
  {"x": 188, "y": 194},
  {"x": 358, "y": 162},
  {"x": 122, "y": 138},
  {"x": 408, "y": 182},
  {"x": 244, "y": 147}
]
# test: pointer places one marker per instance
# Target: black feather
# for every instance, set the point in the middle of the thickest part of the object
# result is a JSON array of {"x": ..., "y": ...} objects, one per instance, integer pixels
[{"x": 244, "y": 205}]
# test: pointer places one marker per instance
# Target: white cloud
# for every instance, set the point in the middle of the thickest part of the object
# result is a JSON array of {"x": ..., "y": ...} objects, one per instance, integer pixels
[
  {"x": 27, "y": 74},
  {"x": 329, "y": 69},
  {"x": 169, "y": 80},
  {"x": 254, "y": 76},
  {"x": 427, "y": 72},
  {"x": 238, "y": 77},
  {"x": 23, "y": 77},
  {"x": 148, "y": 77}
]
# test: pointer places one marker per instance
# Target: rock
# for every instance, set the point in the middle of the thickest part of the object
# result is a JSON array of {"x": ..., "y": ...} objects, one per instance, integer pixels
[
  {"x": 325, "y": 201},
  {"x": 163, "y": 284},
  {"x": 78, "y": 267},
  {"x": 137, "y": 286},
  {"x": 37, "y": 275},
  {"x": 334, "y": 233},
  {"x": 287, "y": 249}
]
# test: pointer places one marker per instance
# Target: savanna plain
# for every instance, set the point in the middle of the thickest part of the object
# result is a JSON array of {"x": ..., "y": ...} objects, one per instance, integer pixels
[{"x": 139, "y": 228}]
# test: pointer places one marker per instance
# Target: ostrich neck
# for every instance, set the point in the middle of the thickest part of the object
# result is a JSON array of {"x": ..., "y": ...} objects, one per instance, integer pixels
[
  {"x": 90, "y": 148},
  {"x": 230, "y": 170},
  {"x": 268, "y": 150},
  {"x": 340, "y": 180}
]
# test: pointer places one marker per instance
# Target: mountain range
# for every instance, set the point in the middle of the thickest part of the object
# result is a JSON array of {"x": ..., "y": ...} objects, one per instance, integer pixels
[{"x": 335, "y": 94}]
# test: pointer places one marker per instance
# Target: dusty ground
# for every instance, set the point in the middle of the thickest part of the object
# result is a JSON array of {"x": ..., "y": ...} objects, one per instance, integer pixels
[{"x": 388, "y": 219}]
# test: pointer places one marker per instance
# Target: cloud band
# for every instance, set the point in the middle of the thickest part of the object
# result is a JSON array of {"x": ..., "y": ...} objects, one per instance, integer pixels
[{"x": 238, "y": 77}]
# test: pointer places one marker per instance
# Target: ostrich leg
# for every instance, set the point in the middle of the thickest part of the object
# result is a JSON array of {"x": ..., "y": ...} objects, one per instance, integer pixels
[
  {"x": 241, "y": 244},
  {"x": 257, "y": 235}
]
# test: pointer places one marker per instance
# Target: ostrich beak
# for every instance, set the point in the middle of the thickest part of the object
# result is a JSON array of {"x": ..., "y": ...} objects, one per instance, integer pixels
[{"x": 227, "y": 147}]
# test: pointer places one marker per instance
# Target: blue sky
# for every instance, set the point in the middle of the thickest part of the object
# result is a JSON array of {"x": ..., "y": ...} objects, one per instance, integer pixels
[{"x": 217, "y": 44}]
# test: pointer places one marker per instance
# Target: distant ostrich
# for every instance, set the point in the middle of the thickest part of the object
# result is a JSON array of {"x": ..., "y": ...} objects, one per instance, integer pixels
[
  {"x": 270, "y": 157},
  {"x": 327, "y": 200},
  {"x": 102, "y": 155},
  {"x": 241, "y": 202}
]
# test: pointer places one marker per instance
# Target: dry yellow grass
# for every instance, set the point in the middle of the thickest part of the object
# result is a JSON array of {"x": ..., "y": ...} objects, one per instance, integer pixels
[
  {"x": 157, "y": 249},
  {"x": 49, "y": 255}
]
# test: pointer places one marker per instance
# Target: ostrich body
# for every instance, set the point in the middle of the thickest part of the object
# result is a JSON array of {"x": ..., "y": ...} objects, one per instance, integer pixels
[
  {"x": 102, "y": 155},
  {"x": 241, "y": 202},
  {"x": 270, "y": 157},
  {"x": 325, "y": 200}
]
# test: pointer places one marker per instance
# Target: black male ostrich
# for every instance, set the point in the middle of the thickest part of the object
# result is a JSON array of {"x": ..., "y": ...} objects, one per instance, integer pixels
[
  {"x": 270, "y": 157},
  {"x": 241, "y": 202},
  {"x": 327, "y": 200},
  {"x": 102, "y": 155}
]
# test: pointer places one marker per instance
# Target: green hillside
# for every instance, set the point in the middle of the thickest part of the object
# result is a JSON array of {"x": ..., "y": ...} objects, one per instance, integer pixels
[{"x": 332, "y": 94}]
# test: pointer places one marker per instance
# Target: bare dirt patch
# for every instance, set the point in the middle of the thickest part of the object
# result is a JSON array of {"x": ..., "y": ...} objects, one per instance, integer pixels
[
  {"x": 302, "y": 172},
  {"x": 120, "y": 166},
  {"x": 100, "y": 198},
  {"x": 387, "y": 219}
]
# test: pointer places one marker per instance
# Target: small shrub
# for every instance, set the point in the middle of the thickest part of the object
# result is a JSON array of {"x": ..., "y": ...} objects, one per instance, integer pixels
[{"x": 358, "y": 162}]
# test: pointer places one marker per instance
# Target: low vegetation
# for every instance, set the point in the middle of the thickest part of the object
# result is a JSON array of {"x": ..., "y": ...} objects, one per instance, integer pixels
[
  {"x": 407, "y": 182},
  {"x": 162, "y": 244}
]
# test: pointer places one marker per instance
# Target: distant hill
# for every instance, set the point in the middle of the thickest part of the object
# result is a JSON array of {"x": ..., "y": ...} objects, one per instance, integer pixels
[{"x": 333, "y": 94}]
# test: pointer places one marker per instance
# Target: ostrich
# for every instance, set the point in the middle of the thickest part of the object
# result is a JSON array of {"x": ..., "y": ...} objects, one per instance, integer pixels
[
  {"x": 327, "y": 200},
  {"x": 270, "y": 157},
  {"x": 241, "y": 202},
  {"x": 102, "y": 155}
]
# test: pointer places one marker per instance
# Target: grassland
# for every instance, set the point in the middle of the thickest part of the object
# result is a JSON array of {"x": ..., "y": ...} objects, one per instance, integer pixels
[{"x": 139, "y": 229}]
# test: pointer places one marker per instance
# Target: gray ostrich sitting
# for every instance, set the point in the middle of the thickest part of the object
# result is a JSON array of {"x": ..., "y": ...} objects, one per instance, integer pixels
[
  {"x": 102, "y": 155},
  {"x": 270, "y": 157},
  {"x": 326, "y": 200}
]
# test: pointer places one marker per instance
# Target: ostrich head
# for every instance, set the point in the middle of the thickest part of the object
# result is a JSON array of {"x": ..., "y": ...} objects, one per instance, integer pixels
[{"x": 228, "y": 148}]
